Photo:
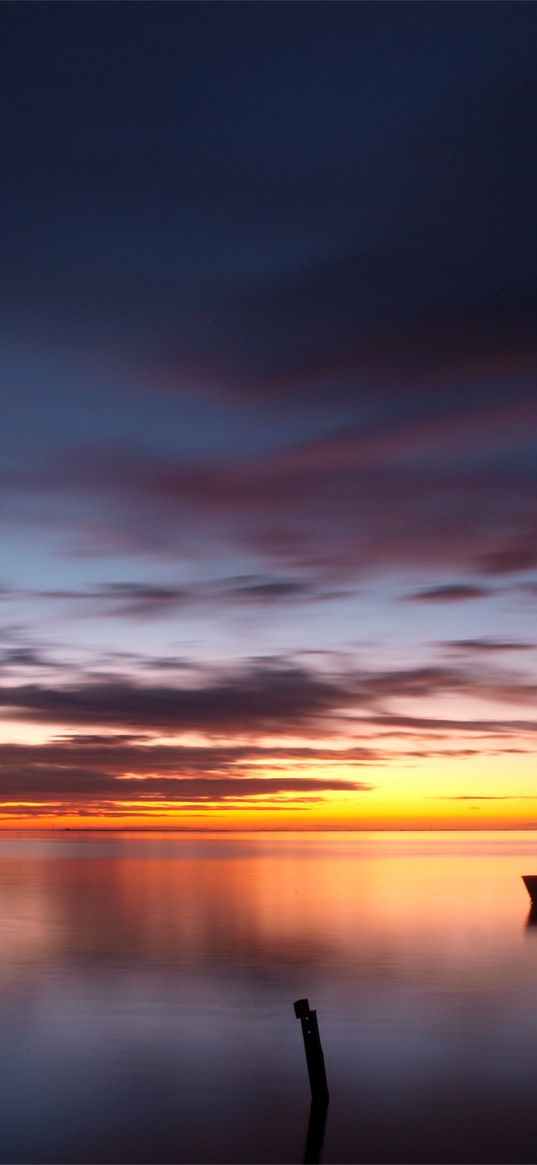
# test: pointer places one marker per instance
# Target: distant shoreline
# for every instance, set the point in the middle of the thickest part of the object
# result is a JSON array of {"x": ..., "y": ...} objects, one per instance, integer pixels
[{"x": 173, "y": 829}]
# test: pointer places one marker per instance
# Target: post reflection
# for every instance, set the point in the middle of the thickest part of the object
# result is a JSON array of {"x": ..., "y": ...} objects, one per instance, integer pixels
[
  {"x": 532, "y": 917},
  {"x": 315, "y": 1131}
]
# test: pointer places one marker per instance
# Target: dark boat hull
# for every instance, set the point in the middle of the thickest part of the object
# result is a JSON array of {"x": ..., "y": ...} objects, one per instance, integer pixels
[{"x": 530, "y": 882}]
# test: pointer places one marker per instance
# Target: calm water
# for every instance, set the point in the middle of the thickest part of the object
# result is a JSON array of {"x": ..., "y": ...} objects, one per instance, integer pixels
[{"x": 147, "y": 983}]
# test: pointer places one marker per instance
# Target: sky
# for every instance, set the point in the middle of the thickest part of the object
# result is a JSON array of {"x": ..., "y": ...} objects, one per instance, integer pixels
[{"x": 268, "y": 445}]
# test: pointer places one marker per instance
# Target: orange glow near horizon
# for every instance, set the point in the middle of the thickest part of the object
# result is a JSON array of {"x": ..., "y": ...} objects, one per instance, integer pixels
[
  {"x": 326, "y": 814},
  {"x": 401, "y": 790}
]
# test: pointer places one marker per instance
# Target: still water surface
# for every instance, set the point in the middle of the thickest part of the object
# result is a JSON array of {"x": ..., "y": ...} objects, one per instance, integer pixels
[{"x": 147, "y": 984}]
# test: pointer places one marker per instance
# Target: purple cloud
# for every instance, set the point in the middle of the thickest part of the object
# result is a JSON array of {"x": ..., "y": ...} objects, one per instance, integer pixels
[
  {"x": 448, "y": 593},
  {"x": 477, "y": 646}
]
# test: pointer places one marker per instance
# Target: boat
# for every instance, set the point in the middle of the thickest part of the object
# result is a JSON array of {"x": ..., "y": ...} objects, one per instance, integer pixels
[{"x": 530, "y": 882}]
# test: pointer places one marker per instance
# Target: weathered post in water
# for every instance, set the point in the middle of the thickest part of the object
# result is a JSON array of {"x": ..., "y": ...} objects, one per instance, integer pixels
[{"x": 313, "y": 1049}]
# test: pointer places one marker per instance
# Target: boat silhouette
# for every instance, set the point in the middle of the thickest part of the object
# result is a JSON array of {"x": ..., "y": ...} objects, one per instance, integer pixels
[{"x": 530, "y": 882}]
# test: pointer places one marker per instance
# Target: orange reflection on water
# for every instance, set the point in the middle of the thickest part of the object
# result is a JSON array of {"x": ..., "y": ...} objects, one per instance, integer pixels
[
  {"x": 347, "y": 900},
  {"x": 28, "y": 916}
]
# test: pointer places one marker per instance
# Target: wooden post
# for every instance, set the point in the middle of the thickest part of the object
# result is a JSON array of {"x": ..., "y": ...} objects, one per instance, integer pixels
[{"x": 313, "y": 1049}]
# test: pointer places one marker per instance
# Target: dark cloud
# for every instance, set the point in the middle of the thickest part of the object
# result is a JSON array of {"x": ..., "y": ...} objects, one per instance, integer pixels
[
  {"x": 117, "y": 754},
  {"x": 144, "y": 600},
  {"x": 136, "y": 600},
  {"x": 423, "y": 682},
  {"x": 95, "y": 770},
  {"x": 323, "y": 509},
  {"x": 75, "y": 785},
  {"x": 520, "y": 554},
  {"x": 24, "y": 657},
  {"x": 450, "y": 753},
  {"x": 489, "y": 797},
  {"x": 263, "y": 698},
  {"x": 267, "y": 590},
  {"x": 392, "y": 724},
  {"x": 259, "y": 696},
  {"x": 448, "y": 593},
  {"x": 475, "y": 646}
]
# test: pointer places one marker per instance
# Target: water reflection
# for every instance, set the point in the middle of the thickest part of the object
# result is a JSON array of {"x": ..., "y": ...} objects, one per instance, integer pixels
[
  {"x": 147, "y": 988},
  {"x": 316, "y": 1131},
  {"x": 275, "y": 912},
  {"x": 532, "y": 916}
]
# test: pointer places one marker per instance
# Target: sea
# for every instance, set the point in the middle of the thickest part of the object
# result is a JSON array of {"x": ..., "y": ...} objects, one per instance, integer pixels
[{"x": 148, "y": 981}]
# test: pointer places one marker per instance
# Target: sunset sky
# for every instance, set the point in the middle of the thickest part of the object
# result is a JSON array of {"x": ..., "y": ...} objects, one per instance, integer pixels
[{"x": 269, "y": 415}]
